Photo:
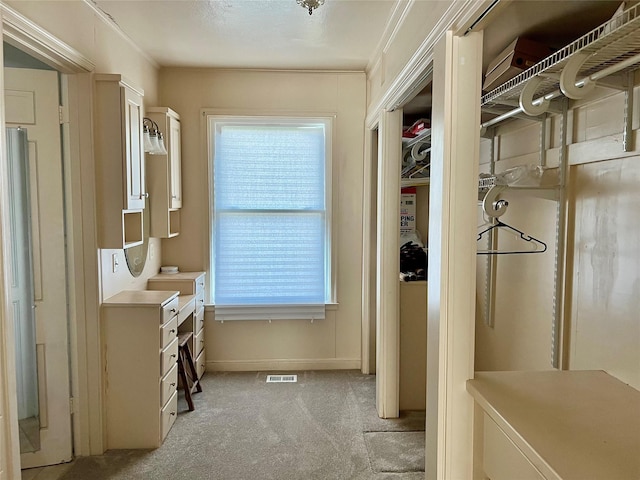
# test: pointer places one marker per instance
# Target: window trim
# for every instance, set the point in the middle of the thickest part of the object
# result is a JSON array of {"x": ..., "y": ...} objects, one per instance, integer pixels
[{"x": 212, "y": 116}]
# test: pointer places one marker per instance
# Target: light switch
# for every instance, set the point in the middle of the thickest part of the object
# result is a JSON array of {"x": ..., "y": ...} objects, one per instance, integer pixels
[{"x": 115, "y": 263}]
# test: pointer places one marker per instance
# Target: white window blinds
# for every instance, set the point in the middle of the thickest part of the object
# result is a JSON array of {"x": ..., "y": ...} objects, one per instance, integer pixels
[{"x": 270, "y": 221}]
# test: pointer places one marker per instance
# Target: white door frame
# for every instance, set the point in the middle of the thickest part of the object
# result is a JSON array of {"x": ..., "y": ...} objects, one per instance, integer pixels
[
  {"x": 388, "y": 265},
  {"x": 81, "y": 247},
  {"x": 455, "y": 145},
  {"x": 369, "y": 231},
  {"x": 9, "y": 437}
]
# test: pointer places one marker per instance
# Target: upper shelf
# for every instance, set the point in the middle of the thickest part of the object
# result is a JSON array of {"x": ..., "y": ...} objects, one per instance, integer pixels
[
  {"x": 423, "y": 136},
  {"x": 613, "y": 42}
]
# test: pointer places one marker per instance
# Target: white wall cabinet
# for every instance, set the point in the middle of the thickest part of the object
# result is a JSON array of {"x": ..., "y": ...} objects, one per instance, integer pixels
[
  {"x": 120, "y": 173},
  {"x": 140, "y": 351},
  {"x": 164, "y": 176}
]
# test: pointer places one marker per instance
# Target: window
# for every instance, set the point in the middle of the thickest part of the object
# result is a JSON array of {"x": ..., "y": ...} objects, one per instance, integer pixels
[{"x": 271, "y": 222}]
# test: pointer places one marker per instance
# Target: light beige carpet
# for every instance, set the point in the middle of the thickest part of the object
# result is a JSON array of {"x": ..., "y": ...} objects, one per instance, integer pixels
[{"x": 245, "y": 429}]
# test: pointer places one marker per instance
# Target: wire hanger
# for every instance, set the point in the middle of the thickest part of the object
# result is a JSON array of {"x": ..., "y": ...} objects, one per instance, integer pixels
[
  {"x": 495, "y": 207},
  {"x": 537, "y": 246}
]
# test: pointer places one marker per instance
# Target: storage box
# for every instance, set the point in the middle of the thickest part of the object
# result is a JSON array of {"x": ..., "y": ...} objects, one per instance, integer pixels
[
  {"x": 521, "y": 54},
  {"x": 408, "y": 211}
]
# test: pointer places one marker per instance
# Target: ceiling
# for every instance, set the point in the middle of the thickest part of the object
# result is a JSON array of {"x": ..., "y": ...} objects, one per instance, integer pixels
[
  {"x": 274, "y": 34},
  {"x": 339, "y": 35}
]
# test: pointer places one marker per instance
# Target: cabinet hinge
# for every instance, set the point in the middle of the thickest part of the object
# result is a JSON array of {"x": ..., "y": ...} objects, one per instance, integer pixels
[
  {"x": 63, "y": 114},
  {"x": 71, "y": 406}
]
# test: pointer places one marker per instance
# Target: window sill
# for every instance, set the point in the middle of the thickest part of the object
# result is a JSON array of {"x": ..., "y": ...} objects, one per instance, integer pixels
[{"x": 273, "y": 312}]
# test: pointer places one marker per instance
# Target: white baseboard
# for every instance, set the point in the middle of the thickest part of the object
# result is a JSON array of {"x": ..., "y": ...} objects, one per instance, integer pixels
[{"x": 283, "y": 365}]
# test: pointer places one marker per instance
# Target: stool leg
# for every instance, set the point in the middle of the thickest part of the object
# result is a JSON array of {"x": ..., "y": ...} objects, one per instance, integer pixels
[
  {"x": 185, "y": 381},
  {"x": 192, "y": 368}
]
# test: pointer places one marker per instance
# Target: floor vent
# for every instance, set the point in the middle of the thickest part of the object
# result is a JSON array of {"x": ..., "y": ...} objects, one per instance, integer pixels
[{"x": 282, "y": 378}]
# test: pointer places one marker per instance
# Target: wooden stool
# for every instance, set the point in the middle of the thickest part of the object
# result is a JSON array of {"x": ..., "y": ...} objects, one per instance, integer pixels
[{"x": 186, "y": 368}]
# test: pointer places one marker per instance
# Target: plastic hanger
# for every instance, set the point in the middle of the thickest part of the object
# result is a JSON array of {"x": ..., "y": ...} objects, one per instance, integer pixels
[{"x": 538, "y": 246}]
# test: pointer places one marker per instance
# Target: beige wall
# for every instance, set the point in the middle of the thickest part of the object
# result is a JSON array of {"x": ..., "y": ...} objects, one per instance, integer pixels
[
  {"x": 331, "y": 343},
  {"x": 604, "y": 250}
]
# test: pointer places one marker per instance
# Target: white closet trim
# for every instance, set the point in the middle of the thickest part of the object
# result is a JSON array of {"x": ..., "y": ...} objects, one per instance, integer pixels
[
  {"x": 22, "y": 32},
  {"x": 456, "y": 17}
]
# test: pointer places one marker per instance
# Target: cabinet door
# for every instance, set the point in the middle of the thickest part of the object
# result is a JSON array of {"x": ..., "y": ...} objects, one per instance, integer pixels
[
  {"x": 175, "y": 165},
  {"x": 133, "y": 155}
]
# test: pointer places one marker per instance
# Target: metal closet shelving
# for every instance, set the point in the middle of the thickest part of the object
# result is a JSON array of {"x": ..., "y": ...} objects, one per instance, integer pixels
[
  {"x": 419, "y": 148},
  {"x": 607, "y": 55},
  {"x": 611, "y": 48}
]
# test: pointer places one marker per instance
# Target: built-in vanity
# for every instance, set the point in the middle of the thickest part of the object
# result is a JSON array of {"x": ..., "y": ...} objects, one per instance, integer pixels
[
  {"x": 140, "y": 196},
  {"x": 140, "y": 349}
]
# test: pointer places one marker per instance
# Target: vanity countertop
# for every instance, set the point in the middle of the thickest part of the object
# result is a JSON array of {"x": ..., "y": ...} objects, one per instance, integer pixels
[
  {"x": 141, "y": 297},
  {"x": 176, "y": 276}
]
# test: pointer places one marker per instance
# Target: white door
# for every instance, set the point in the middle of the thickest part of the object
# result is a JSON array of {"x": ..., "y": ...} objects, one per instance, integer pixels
[{"x": 31, "y": 102}]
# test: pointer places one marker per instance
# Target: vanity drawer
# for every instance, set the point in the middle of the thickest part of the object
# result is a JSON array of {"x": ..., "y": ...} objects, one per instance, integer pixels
[
  {"x": 168, "y": 357},
  {"x": 168, "y": 414},
  {"x": 198, "y": 321},
  {"x": 199, "y": 300},
  {"x": 168, "y": 332},
  {"x": 200, "y": 284},
  {"x": 168, "y": 385},
  {"x": 198, "y": 343},
  {"x": 200, "y": 364},
  {"x": 169, "y": 310}
]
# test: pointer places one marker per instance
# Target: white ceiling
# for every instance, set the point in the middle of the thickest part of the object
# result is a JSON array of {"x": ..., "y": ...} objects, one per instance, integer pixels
[{"x": 274, "y": 34}]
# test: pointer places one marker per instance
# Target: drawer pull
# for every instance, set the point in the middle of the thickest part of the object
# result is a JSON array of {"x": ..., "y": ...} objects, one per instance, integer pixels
[
  {"x": 173, "y": 330},
  {"x": 172, "y": 384},
  {"x": 173, "y": 414},
  {"x": 173, "y": 355},
  {"x": 173, "y": 310}
]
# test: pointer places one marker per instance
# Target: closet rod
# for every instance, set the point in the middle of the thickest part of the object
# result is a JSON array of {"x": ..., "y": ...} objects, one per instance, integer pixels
[{"x": 557, "y": 93}]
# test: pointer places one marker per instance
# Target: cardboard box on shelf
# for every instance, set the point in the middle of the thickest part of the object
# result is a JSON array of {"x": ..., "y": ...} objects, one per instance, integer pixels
[
  {"x": 521, "y": 54},
  {"x": 408, "y": 210}
]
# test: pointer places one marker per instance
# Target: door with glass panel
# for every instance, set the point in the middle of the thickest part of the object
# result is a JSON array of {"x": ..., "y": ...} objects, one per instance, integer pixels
[{"x": 38, "y": 265}]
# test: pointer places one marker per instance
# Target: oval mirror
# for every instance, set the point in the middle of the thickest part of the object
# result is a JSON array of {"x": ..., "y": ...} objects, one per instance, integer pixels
[{"x": 137, "y": 256}]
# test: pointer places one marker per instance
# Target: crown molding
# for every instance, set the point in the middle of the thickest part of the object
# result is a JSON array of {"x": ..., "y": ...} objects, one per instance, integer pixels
[{"x": 108, "y": 20}]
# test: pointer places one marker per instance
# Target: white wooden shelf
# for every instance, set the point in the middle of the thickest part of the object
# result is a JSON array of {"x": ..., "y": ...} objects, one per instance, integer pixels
[
  {"x": 423, "y": 136},
  {"x": 415, "y": 182},
  {"x": 569, "y": 425}
]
